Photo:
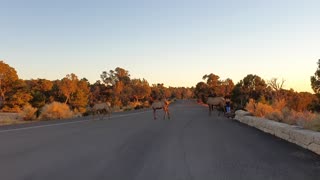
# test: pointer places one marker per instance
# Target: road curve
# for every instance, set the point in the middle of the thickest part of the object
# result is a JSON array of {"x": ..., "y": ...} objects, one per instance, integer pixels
[{"x": 133, "y": 146}]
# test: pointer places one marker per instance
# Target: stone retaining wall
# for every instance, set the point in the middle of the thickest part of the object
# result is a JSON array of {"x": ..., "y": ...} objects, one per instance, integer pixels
[{"x": 305, "y": 138}]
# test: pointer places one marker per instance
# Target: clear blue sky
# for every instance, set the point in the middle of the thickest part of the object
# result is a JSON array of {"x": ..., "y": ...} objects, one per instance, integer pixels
[{"x": 174, "y": 42}]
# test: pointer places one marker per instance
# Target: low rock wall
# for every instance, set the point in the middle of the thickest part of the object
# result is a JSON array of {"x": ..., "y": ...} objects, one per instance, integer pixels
[{"x": 305, "y": 138}]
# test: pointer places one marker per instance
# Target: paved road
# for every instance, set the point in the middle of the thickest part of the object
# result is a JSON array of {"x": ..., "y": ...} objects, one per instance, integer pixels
[{"x": 133, "y": 146}]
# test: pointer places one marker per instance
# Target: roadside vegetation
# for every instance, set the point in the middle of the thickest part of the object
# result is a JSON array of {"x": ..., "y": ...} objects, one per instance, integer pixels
[
  {"x": 267, "y": 98},
  {"x": 41, "y": 99},
  {"x": 71, "y": 96}
]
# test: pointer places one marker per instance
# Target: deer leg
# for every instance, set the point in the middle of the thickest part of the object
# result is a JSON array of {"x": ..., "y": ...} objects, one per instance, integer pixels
[
  {"x": 154, "y": 114},
  {"x": 165, "y": 110}
]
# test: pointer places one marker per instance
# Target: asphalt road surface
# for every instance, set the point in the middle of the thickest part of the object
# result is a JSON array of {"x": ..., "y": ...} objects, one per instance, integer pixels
[{"x": 133, "y": 146}]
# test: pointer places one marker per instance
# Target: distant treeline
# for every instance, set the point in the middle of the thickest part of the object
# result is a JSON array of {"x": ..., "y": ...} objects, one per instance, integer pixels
[
  {"x": 117, "y": 87},
  {"x": 114, "y": 86}
]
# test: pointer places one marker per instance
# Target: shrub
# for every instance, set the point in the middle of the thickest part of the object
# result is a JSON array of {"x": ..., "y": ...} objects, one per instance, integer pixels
[
  {"x": 288, "y": 116},
  {"x": 262, "y": 110},
  {"x": 279, "y": 104},
  {"x": 28, "y": 112},
  {"x": 279, "y": 112},
  {"x": 251, "y": 106},
  {"x": 313, "y": 124},
  {"x": 56, "y": 110},
  {"x": 275, "y": 115},
  {"x": 258, "y": 109}
]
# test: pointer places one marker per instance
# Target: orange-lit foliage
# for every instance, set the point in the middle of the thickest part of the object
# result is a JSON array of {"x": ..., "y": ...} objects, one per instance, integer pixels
[
  {"x": 258, "y": 109},
  {"x": 55, "y": 110},
  {"x": 28, "y": 112},
  {"x": 279, "y": 112}
]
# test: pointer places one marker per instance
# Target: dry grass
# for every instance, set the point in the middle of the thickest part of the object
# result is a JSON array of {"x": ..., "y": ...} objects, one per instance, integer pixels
[
  {"x": 56, "y": 110},
  {"x": 314, "y": 124},
  {"x": 279, "y": 112},
  {"x": 28, "y": 112}
]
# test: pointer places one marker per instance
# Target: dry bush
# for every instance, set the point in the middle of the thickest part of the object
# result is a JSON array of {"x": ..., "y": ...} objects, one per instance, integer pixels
[
  {"x": 275, "y": 115},
  {"x": 303, "y": 118},
  {"x": 263, "y": 109},
  {"x": 56, "y": 110},
  {"x": 251, "y": 106},
  {"x": 279, "y": 104},
  {"x": 279, "y": 112},
  {"x": 288, "y": 116},
  {"x": 258, "y": 109},
  {"x": 28, "y": 112},
  {"x": 313, "y": 124}
]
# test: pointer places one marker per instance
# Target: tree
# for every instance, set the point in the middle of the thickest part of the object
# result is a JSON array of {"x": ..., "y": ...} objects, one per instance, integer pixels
[
  {"x": 140, "y": 88},
  {"x": 276, "y": 87},
  {"x": 212, "y": 81},
  {"x": 253, "y": 86},
  {"x": 114, "y": 76},
  {"x": 80, "y": 98},
  {"x": 17, "y": 97},
  {"x": 8, "y": 77},
  {"x": 119, "y": 81},
  {"x": 315, "y": 80},
  {"x": 68, "y": 86},
  {"x": 99, "y": 92},
  {"x": 158, "y": 91},
  {"x": 40, "y": 91},
  {"x": 225, "y": 87},
  {"x": 201, "y": 91}
]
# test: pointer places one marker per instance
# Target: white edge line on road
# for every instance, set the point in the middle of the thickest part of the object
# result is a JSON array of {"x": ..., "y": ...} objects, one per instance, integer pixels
[{"x": 64, "y": 123}]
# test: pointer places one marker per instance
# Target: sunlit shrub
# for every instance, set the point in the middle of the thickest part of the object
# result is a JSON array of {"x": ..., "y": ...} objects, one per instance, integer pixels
[
  {"x": 28, "y": 112},
  {"x": 262, "y": 110},
  {"x": 251, "y": 106},
  {"x": 279, "y": 104},
  {"x": 279, "y": 112},
  {"x": 56, "y": 110},
  {"x": 258, "y": 109}
]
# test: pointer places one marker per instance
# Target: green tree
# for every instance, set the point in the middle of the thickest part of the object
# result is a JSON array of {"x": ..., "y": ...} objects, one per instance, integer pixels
[
  {"x": 158, "y": 91},
  {"x": 201, "y": 91},
  {"x": 253, "y": 86},
  {"x": 114, "y": 76},
  {"x": 40, "y": 91},
  {"x": 213, "y": 82},
  {"x": 119, "y": 81},
  {"x": 99, "y": 92},
  {"x": 315, "y": 80}
]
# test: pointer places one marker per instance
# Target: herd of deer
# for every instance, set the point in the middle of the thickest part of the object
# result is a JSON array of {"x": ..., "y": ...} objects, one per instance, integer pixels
[{"x": 218, "y": 103}]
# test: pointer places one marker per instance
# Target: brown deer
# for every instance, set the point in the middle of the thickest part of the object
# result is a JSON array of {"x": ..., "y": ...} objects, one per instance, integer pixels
[
  {"x": 216, "y": 102},
  {"x": 102, "y": 109},
  {"x": 161, "y": 104}
]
